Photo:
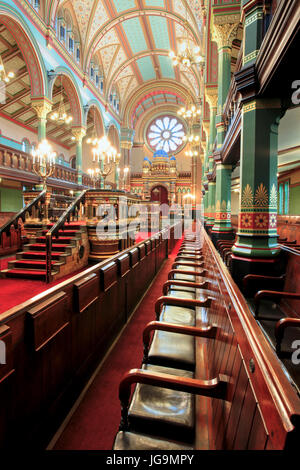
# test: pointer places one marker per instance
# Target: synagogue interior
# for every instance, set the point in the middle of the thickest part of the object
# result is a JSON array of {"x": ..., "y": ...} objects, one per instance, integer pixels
[{"x": 149, "y": 225}]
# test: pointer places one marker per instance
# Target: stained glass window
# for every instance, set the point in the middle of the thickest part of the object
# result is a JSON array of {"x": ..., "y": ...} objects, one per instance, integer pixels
[{"x": 165, "y": 133}]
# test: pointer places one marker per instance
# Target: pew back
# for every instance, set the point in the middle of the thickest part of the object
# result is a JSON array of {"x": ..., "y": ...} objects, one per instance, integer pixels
[
  {"x": 261, "y": 409},
  {"x": 54, "y": 341}
]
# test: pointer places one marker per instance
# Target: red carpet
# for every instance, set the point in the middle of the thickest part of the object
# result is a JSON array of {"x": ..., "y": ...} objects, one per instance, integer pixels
[
  {"x": 95, "y": 422},
  {"x": 15, "y": 291}
]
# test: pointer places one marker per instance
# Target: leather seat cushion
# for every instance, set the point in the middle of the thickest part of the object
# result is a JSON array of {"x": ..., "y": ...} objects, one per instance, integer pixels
[
  {"x": 163, "y": 412},
  {"x": 172, "y": 350},
  {"x": 183, "y": 294},
  {"x": 136, "y": 441},
  {"x": 176, "y": 289},
  {"x": 184, "y": 277},
  {"x": 178, "y": 315}
]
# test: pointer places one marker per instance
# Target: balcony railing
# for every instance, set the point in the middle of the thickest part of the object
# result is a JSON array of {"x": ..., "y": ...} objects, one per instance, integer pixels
[{"x": 11, "y": 159}]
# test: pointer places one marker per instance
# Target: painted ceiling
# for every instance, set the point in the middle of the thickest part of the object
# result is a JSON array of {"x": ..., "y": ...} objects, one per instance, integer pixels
[{"x": 132, "y": 39}]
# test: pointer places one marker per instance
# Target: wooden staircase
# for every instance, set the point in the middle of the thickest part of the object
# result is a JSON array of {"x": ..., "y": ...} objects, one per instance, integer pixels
[{"x": 65, "y": 258}]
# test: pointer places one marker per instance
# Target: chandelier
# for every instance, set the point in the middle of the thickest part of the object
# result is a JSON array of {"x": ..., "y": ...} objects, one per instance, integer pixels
[
  {"x": 106, "y": 156},
  {"x": 43, "y": 165},
  {"x": 4, "y": 77},
  {"x": 61, "y": 116},
  {"x": 94, "y": 138},
  {"x": 188, "y": 54}
]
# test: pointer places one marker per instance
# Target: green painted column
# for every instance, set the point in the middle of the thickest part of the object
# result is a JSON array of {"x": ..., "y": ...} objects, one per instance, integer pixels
[
  {"x": 211, "y": 198},
  {"x": 222, "y": 223},
  {"x": 79, "y": 133},
  {"x": 253, "y": 31},
  {"x": 257, "y": 228}
]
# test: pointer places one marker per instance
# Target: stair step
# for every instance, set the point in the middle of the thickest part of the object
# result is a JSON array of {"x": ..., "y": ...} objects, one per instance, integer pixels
[
  {"x": 66, "y": 240},
  {"x": 42, "y": 247},
  {"x": 27, "y": 273},
  {"x": 24, "y": 263},
  {"x": 67, "y": 233},
  {"x": 39, "y": 255}
]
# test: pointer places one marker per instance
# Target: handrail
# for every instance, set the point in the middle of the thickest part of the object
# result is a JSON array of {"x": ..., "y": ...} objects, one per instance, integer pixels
[
  {"x": 257, "y": 349},
  {"x": 21, "y": 214},
  {"x": 65, "y": 217}
]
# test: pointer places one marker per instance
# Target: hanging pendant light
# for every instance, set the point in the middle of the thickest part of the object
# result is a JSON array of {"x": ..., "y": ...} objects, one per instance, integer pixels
[
  {"x": 5, "y": 77},
  {"x": 61, "y": 116}
]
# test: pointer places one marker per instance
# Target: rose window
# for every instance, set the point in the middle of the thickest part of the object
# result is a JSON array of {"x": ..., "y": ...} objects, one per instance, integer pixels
[{"x": 166, "y": 134}]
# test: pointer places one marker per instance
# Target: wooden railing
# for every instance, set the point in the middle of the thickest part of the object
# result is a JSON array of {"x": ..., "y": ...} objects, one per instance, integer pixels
[
  {"x": 14, "y": 222},
  {"x": 73, "y": 208},
  {"x": 11, "y": 159},
  {"x": 54, "y": 340}
]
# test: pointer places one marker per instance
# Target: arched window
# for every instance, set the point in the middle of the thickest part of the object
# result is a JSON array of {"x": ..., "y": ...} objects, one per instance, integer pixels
[
  {"x": 25, "y": 146},
  {"x": 67, "y": 33}
]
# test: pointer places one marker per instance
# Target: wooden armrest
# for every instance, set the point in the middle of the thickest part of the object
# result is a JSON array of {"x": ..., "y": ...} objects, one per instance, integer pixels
[
  {"x": 214, "y": 388},
  {"x": 187, "y": 252},
  {"x": 209, "y": 331},
  {"x": 270, "y": 294},
  {"x": 188, "y": 258},
  {"x": 259, "y": 277},
  {"x": 280, "y": 328},
  {"x": 196, "y": 285},
  {"x": 180, "y": 271},
  {"x": 191, "y": 265},
  {"x": 178, "y": 302}
]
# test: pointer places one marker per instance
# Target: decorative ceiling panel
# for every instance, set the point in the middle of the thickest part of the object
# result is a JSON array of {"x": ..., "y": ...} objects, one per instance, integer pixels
[
  {"x": 160, "y": 33},
  {"x": 123, "y": 5},
  {"x": 166, "y": 67},
  {"x": 135, "y": 35},
  {"x": 146, "y": 68},
  {"x": 83, "y": 10}
]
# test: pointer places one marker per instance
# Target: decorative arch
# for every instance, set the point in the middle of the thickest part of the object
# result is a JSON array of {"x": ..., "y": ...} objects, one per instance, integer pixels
[
  {"x": 99, "y": 120},
  {"x": 29, "y": 48},
  {"x": 112, "y": 23},
  {"x": 73, "y": 93},
  {"x": 148, "y": 87},
  {"x": 113, "y": 136}
]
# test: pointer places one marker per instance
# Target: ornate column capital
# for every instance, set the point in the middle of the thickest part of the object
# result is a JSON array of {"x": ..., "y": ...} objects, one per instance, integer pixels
[
  {"x": 42, "y": 107},
  {"x": 79, "y": 133},
  {"x": 211, "y": 95},
  {"x": 224, "y": 30}
]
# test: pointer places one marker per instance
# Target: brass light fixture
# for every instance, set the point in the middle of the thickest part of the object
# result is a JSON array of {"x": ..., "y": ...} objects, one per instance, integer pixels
[
  {"x": 188, "y": 54},
  {"x": 4, "y": 76},
  {"x": 61, "y": 116}
]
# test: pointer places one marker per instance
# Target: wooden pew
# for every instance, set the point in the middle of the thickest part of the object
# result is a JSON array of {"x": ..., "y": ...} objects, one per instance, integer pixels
[
  {"x": 238, "y": 377},
  {"x": 55, "y": 340}
]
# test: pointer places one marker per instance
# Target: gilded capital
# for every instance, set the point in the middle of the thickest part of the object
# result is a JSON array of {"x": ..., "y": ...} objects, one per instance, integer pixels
[
  {"x": 79, "y": 133},
  {"x": 42, "y": 107},
  {"x": 225, "y": 30},
  {"x": 211, "y": 95}
]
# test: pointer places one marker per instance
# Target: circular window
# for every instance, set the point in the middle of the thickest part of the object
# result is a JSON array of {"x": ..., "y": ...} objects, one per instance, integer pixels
[{"x": 165, "y": 133}]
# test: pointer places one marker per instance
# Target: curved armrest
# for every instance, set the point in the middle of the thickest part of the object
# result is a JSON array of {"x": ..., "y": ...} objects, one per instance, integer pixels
[
  {"x": 180, "y": 271},
  {"x": 270, "y": 294},
  {"x": 280, "y": 328},
  {"x": 191, "y": 265},
  {"x": 209, "y": 331},
  {"x": 189, "y": 258},
  {"x": 196, "y": 285},
  {"x": 189, "y": 252},
  {"x": 178, "y": 302},
  {"x": 214, "y": 388},
  {"x": 260, "y": 278}
]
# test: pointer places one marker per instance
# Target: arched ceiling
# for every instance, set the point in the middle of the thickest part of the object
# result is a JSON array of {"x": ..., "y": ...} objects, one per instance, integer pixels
[{"x": 132, "y": 38}]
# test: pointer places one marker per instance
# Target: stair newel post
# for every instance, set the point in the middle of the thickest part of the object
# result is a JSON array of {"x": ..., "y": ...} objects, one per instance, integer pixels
[{"x": 48, "y": 256}]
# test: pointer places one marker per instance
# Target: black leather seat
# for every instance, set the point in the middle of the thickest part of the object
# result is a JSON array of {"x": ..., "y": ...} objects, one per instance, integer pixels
[
  {"x": 178, "y": 315},
  {"x": 163, "y": 412},
  {"x": 126, "y": 440},
  {"x": 172, "y": 350}
]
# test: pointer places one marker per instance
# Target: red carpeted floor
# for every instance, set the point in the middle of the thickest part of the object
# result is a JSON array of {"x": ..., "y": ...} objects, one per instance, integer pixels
[
  {"x": 95, "y": 421},
  {"x": 15, "y": 291}
]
